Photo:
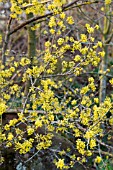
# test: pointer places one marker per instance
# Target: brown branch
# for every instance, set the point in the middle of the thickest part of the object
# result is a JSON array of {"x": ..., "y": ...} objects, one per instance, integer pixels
[
  {"x": 80, "y": 5},
  {"x": 104, "y": 144},
  {"x": 104, "y": 153}
]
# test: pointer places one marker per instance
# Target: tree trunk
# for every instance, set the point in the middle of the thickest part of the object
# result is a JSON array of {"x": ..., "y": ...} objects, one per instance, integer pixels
[{"x": 103, "y": 66}]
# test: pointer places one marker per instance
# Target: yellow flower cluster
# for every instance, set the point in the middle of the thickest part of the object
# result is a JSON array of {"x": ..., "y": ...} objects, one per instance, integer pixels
[
  {"x": 70, "y": 20},
  {"x": 30, "y": 130},
  {"x": 24, "y": 61},
  {"x": 89, "y": 29},
  {"x": 55, "y": 104},
  {"x": 98, "y": 159},
  {"x": 10, "y": 136},
  {"x": 19, "y": 7},
  {"x": 3, "y": 107},
  {"x": 91, "y": 84},
  {"x": 60, "y": 41},
  {"x": 83, "y": 38},
  {"x": 92, "y": 143},
  {"x": 44, "y": 141},
  {"x": 24, "y": 147},
  {"x": 107, "y": 2},
  {"x": 52, "y": 22},
  {"x": 84, "y": 90},
  {"x": 111, "y": 81},
  {"x": 38, "y": 123},
  {"x": 80, "y": 146},
  {"x": 13, "y": 122}
]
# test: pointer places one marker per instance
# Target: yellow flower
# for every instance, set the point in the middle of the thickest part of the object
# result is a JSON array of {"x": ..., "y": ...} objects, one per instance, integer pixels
[
  {"x": 83, "y": 38},
  {"x": 52, "y": 31},
  {"x": 6, "y": 96},
  {"x": 98, "y": 159},
  {"x": 60, "y": 41},
  {"x": 9, "y": 144},
  {"x": 38, "y": 123},
  {"x": 14, "y": 15},
  {"x": 89, "y": 134},
  {"x": 24, "y": 61},
  {"x": 111, "y": 121},
  {"x": 102, "y": 9},
  {"x": 99, "y": 44},
  {"x": 111, "y": 81},
  {"x": 102, "y": 53},
  {"x": 30, "y": 130},
  {"x": 92, "y": 39},
  {"x": 2, "y": 108},
  {"x": 13, "y": 122},
  {"x": 92, "y": 143},
  {"x": 62, "y": 15},
  {"x": 89, "y": 29},
  {"x": 77, "y": 58},
  {"x": 51, "y": 118},
  {"x": 2, "y": 158},
  {"x": 47, "y": 44},
  {"x": 74, "y": 102},
  {"x": 91, "y": 80},
  {"x": 15, "y": 88},
  {"x": 96, "y": 100},
  {"x": 6, "y": 127},
  {"x": 60, "y": 163},
  {"x": 84, "y": 50},
  {"x": 10, "y": 136},
  {"x": 88, "y": 153},
  {"x": 97, "y": 27},
  {"x": 52, "y": 22},
  {"x": 80, "y": 146},
  {"x": 84, "y": 90},
  {"x": 70, "y": 20},
  {"x": 2, "y": 136},
  {"x": 60, "y": 24},
  {"x": 77, "y": 132},
  {"x": 16, "y": 64}
]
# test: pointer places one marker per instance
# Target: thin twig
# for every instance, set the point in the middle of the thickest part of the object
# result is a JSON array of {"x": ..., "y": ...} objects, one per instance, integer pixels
[
  {"x": 31, "y": 157},
  {"x": 104, "y": 144}
]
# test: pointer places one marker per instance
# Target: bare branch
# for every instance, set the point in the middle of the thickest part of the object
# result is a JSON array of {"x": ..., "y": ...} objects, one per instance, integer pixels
[{"x": 104, "y": 144}]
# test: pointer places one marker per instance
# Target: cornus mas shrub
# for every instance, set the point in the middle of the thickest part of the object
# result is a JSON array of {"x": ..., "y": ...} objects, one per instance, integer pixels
[{"x": 52, "y": 108}]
